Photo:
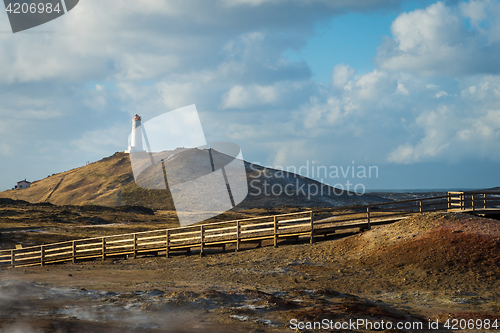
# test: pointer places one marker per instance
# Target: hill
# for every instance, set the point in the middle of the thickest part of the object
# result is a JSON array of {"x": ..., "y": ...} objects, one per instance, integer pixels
[{"x": 110, "y": 182}]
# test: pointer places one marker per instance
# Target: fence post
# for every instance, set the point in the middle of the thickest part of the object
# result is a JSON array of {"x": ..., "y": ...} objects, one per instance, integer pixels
[
  {"x": 135, "y": 246},
  {"x": 12, "y": 258},
  {"x": 103, "y": 248},
  {"x": 312, "y": 227},
  {"x": 201, "y": 240},
  {"x": 73, "y": 245},
  {"x": 168, "y": 244},
  {"x": 420, "y": 206},
  {"x": 368, "y": 217},
  {"x": 462, "y": 201},
  {"x": 449, "y": 201},
  {"x": 275, "y": 231},
  {"x": 42, "y": 255},
  {"x": 238, "y": 228},
  {"x": 473, "y": 208},
  {"x": 484, "y": 200}
]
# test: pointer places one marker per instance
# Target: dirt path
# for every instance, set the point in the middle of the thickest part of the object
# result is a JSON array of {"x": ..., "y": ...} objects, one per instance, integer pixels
[{"x": 54, "y": 189}]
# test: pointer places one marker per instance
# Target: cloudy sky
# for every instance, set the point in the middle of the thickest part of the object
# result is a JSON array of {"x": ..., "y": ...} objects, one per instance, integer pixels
[{"x": 411, "y": 87}]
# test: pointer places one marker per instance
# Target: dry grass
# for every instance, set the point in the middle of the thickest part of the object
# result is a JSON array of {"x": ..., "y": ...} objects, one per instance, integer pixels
[{"x": 35, "y": 224}]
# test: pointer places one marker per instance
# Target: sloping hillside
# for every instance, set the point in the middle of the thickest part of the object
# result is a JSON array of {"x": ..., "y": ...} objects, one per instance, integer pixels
[{"x": 110, "y": 182}]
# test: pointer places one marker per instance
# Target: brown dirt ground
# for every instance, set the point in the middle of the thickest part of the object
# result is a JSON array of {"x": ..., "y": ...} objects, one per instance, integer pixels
[{"x": 432, "y": 266}]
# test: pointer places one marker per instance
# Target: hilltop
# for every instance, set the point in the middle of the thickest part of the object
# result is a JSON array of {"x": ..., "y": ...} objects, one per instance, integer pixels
[
  {"x": 107, "y": 182},
  {"x": 110, "y": 182}
]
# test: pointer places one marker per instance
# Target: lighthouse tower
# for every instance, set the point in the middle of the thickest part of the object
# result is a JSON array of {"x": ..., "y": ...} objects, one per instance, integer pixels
[{"x": 136, "y": 136}]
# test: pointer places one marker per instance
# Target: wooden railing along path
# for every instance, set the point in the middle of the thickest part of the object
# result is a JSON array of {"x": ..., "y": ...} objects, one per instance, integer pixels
[{"x": 311, "y": 223}]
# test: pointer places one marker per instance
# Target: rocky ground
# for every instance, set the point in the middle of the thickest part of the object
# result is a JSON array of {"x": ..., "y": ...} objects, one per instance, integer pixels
[{"x": 434, "y": 266}]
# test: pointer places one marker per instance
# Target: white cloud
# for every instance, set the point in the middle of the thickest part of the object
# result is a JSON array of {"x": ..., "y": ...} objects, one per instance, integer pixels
[
  {"x": 465, "y": 129},
  {"x": 401, "y": 89},
  {"x": 437, "y": 126},
  {"x": 437, "y": 41},
  {"x": 341, "y": 4},
  {"x": 370, "y": 86},
  {"x": 441, "y": 94},
  {"x": 475, "y": 10},
  {"x": 176, "y": 95},
  {"x": 341, "y": 75},
  {"x": 96, "y": 99},
  {"x": 318, "y": 115},
  {"x": 100, "y": 141},
  {"x": 147, "y": 39},
  {"x": 239, "y": 97},
  {"x": 291, "y": 153},
  {"x": 403, "y": 154},
  {"x": 75, "y": 89}
]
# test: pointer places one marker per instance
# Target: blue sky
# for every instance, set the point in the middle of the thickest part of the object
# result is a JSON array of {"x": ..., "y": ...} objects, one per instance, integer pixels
[
  {"x": 348, "y": 39},
  {"x": 351, "y": 39},
  {"x": 411, "y": 87}
]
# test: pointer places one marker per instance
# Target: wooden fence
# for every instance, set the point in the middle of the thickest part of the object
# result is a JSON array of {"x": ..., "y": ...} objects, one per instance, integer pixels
[
  {"x": 473, "y": 200},
  {"x": 275, "y": 228}
]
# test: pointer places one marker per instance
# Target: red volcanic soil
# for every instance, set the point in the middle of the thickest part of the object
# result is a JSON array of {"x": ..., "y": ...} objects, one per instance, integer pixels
[
  {"x": 433, "y": 266},
  {"x": 467, "y": 244}
]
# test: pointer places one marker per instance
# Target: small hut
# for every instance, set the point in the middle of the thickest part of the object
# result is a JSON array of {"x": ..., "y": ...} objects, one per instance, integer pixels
[{"x": 22, "y": 184}]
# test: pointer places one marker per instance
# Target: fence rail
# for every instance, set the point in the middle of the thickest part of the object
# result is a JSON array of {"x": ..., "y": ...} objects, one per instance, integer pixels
[{"x": 277, "y": 227}]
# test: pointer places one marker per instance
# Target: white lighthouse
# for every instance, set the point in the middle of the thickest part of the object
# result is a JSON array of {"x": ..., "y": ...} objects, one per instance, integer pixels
[{"x": 136, "y": 136}]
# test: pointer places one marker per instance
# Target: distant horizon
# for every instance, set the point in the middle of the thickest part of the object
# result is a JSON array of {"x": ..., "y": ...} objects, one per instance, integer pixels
[{"x": 368, "y": 189}]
